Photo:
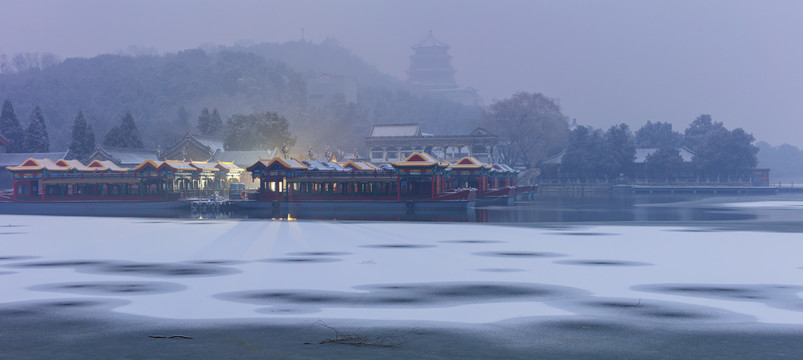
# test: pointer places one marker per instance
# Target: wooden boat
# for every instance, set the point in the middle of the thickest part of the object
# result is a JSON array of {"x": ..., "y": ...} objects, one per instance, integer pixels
[
  {"x": 418, "y": 182},
  {"x": 154, "y": 188}
]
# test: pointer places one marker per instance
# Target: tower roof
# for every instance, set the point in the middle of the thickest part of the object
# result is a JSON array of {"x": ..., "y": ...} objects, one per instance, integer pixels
[{"x": 430, "y": 41}]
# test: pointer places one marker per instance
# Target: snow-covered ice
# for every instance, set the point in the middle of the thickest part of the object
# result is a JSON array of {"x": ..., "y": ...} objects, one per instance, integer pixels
[{"x": 456, "y": 272}]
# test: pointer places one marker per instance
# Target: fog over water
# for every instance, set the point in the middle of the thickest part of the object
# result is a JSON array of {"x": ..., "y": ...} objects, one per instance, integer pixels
[{"x": 607, "y": 61}]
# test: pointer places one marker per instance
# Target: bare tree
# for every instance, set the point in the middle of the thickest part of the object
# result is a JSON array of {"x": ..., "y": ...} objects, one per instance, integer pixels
[
  {"x": 29, "y": 61},
  {"x": 5, "y": 65},
  {"x": 531, "y": 127}
]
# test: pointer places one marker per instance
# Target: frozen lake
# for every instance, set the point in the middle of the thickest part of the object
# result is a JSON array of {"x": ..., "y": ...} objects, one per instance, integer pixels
[{"x": 673, "y": 263}]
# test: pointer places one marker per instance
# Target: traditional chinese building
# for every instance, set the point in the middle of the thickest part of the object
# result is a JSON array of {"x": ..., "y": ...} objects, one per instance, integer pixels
[
  {"x": 431, "y": 70},
  {"x": 194, "y": 147},
  {"x": 122, "y": 157},
  {"x": 431, "y": 65},
  {"x": 395, "y": 142}
]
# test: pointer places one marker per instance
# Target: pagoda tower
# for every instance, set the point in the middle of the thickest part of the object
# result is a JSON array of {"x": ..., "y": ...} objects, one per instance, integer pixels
[{"x": 431, "y": 65}]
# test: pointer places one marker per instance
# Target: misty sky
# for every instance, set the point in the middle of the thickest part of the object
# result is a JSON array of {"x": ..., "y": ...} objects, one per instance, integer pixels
[{"x": 607, "y": 61}]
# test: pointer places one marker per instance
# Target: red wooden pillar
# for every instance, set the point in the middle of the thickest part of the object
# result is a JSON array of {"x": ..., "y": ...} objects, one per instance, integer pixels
[{"x": 432, "y": 186}]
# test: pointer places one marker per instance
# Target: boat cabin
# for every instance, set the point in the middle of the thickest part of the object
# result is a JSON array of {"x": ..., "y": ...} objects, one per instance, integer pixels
[
  {"x": 469, "y": 172},
  {"x": 71, "y": 180},
  {"x": 418, "y": 177}
]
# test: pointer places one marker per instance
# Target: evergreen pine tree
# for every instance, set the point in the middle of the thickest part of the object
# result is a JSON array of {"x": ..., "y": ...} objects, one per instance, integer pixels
[
  {"x": 36, "y": 139},
  {"x": 124, "y": 135},
  {"x": 130, "y": 133},
  {"x": 11, "y": 129},
  {"x": 83, "y": 137},
  {"x": 215, "y": 123},
  {"x": 204, "y": 121},
  {"x": 90, "y": 139},
  {"x": 112, "y": 137},
  {"x": 183, "y": 119}
]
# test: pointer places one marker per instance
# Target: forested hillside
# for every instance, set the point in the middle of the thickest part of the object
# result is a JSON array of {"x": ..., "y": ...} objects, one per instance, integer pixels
[{"x": 166, "y": 93}]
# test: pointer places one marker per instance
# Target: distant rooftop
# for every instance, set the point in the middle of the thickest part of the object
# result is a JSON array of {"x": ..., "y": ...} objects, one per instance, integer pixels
[
  {"x": 124, "y": 156},
  {"x": 642, "y": 153},
  {"x": 396, "y": 130},
  {"x": 242, "y": 158},
  {"x": 430, "y": 41}
]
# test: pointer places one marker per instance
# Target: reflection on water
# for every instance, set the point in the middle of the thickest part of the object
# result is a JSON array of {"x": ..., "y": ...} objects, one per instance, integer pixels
[
  {"x": 612, "y": 208},
  {"x": 590, "y": 209},
  {"x": 616, "y": 208}
]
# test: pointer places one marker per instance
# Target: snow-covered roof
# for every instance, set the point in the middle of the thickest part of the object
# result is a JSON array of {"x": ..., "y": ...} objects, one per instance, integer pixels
[
  {"x": 204, "y": 165},
  {"x": 178, "y": 165},
  {"x": 123, "y": 157},
  {"x": 242, "y": 158},
  {"x": 214, "y": 143},
  {"x": 149, "y": 163},
  {"x": 336, "y": 166},
  {"x": 417, "y": 159},
  {"x": 467, "y": 163},
  {"x": 228, "y": 166},
  {"x": 14, "y": 159},
  {"x": 316, "y": 165},
  {"x": 102, "y": 165},
  {"x": 287, "y": 163},
  {"x": 503, "y": 168},
  {"x": 75, "y": 164},
  {"x": 39, "y": 164},
  {"x": 361, "y": 165},
  {"x": 481, "y": 132},
  {"x": 134, "y": 157},
  {"x": 207, "y": 144},
  {"x": 384, "y": 130},
  {"x": 641, "y": 154}
]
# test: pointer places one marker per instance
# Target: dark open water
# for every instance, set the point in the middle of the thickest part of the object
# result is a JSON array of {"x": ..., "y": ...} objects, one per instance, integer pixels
[{"x": 618, "y": 208}]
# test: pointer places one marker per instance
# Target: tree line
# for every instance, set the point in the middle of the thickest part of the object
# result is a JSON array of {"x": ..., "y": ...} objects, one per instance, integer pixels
[
  {"x": 258, "y": 131},
  {"x": 532, "y": 128},
  {"x": 27, "y": 61}
]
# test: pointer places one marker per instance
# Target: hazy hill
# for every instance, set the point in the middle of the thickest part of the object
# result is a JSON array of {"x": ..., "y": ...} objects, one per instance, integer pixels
[
  {"x": 165, "y": 93},
  {"x": 328, "y": 57},
  {"x": 152, "y": 88}
]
